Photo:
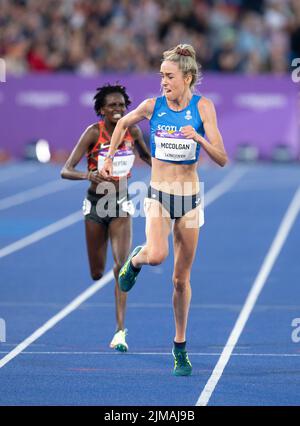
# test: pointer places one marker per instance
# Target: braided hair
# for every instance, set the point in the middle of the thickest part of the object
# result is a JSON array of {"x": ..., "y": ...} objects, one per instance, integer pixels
[{"x": 102, "y": 92}]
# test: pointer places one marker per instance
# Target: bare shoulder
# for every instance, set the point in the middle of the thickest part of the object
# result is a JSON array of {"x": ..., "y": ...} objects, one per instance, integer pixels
[
  {"x": 142, "y": 111},
  {"x": 151, "y": 102},
  {"x": 148, "y": 107},
  {"x": 90, "y": 135},
  {"x": 93, "y": 129},
  {"x": 205, "y": 103},
  {"x": 206, "y": 107}
]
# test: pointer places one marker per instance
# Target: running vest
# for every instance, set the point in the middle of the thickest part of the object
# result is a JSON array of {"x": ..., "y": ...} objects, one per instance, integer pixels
[
  {"x": 167, "y": 142},
  {"x": 124, "y": 156}
]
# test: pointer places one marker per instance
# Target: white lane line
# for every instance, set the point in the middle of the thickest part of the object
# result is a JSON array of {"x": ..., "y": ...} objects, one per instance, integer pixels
[
  {"x": 58, "y": 317},
  {"x": 80, "y": 299},
  {"x": 16, "y": 172},
  {"x": 225, "y": 185},
  {"x": 112, "y": 305},
  {"x": 277, "y": 244},
  {"x": 34, "y": 193},
  {"x": 145, "y": 305},
  {"x": 42, "y": 233},
  {"x": 116, "y": 353}
]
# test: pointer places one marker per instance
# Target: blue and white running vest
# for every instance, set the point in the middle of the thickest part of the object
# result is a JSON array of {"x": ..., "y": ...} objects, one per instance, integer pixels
[{"x": 167, "y": 141}]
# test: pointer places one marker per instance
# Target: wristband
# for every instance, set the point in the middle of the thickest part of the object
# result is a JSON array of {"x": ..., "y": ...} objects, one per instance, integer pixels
[{"x": 109, "y": 156}]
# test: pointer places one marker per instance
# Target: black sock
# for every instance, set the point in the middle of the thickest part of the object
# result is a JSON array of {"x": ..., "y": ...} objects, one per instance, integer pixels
[
  {"x": 180, "y": 346},
  {"x": 134, "y": 268}
]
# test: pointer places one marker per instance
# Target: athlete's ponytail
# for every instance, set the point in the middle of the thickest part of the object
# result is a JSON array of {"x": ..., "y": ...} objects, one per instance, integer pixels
[{"x": 185, "y": 56}]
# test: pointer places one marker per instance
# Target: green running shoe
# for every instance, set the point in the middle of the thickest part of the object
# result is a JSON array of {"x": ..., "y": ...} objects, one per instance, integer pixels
[
  {"x": 127, "y": 276},
  {"x": 183, "y": 366}
]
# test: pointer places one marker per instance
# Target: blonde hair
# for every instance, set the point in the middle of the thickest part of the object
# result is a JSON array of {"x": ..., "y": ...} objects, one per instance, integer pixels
[{"x": 185, "y": 56}]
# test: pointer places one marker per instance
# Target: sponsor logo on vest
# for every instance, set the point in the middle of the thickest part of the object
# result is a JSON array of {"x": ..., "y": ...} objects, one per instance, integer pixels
[
  {"x": 121, "y": 201},
  {"x": 188, "y": 115}
]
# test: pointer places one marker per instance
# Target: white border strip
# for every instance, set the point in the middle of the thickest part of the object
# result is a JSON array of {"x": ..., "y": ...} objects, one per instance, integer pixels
[
  {"x": 277, "y": 244},
  {"x": 228, "y": 182}
]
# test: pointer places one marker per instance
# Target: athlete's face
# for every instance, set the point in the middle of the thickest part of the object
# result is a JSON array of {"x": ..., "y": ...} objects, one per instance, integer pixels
[
  {"x": 114, "y": 107},
  {"x": 173, "y": 82}
]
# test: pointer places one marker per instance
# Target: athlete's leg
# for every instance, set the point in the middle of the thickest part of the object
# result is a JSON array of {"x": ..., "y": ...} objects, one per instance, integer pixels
[
  {"x": 96, "y": 239},
  {"x": 120, "y": 235},
  {"x": 185, "y": 245},
  {"x": 158, "y": 227},
  {"x": 155, "y": 250}
]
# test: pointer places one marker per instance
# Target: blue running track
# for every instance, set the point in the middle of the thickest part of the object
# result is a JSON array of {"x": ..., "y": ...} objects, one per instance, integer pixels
[{"x": 71, "y": 363}]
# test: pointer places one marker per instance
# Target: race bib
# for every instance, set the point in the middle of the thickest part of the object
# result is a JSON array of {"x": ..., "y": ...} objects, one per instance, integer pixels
[
  {"x": 122, "y": 162},
  {"x": 174, "y": 146}
]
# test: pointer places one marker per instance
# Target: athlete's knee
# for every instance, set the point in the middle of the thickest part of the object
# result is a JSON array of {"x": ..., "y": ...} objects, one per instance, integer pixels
[
  {"x": 156, "y": 257},
  {"x": 180, "y": 283},
  {"x": 117, "y": 267}
]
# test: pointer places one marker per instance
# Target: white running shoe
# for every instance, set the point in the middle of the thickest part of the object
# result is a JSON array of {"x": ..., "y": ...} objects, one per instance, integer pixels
[{"x": 118, "y": 342}]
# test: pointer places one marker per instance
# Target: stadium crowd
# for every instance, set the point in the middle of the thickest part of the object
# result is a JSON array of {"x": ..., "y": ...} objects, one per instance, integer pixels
[{"x": 90, "y": 36}]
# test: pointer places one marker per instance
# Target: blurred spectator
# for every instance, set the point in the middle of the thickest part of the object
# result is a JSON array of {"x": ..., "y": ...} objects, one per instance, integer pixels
[
  {"x": 227, "y": 58},
  {"x": 90, "y": 36},
  {"x": 295, "y": 30}
]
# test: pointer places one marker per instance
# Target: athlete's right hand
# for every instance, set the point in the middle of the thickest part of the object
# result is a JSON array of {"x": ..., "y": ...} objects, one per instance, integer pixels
[
  {"x": 106, "y": 171},
  {"x": 95, "y": 177}
]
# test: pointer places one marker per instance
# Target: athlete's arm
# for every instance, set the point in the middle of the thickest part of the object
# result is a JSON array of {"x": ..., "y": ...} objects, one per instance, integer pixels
[
  {"x": 88, "y": 138},
  {"x": 140, "y": 144},
  {"x": 214, "y": 145},
  {"x": 144, "y": 110}
]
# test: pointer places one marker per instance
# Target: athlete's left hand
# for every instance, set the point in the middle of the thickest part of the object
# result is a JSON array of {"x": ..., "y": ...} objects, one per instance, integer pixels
[{"x": 190, "y": 133}]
